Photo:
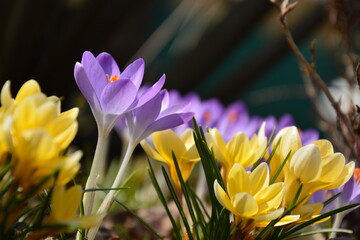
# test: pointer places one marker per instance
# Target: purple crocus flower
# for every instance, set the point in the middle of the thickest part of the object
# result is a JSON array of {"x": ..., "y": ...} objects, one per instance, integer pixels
[
  {"x": 155, "y": 115},
  {"x": 236, "y": 119},
  {"x": 109, "y": 92}
]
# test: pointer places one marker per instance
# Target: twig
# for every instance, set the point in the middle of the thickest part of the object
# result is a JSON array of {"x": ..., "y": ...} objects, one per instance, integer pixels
[{"x": 285, "y": 8}]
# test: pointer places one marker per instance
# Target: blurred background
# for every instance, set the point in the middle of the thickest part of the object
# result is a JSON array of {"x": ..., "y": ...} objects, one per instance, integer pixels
[{"x": 228, "y": 49}]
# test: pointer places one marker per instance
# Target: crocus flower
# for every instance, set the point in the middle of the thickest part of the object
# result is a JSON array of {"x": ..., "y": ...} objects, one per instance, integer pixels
[
  {"x": 152, "y": 117},
  {"x": 316, "y": 166},
  {"x": 240, "y": 149},
  {"x": 251, "y": 197},
  {"x": 109, "y": 92},
  {"x": 36, "y": 133},
  {"x": 64, "y": 213},
  {"x": 235, "y": 119},
  {"x": 167, "y": 142}
]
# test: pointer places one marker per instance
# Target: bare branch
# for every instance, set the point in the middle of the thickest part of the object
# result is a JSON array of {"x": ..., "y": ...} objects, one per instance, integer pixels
[
  {"x": 315, "y": 76},
  {"x": 357, "y": 73}
]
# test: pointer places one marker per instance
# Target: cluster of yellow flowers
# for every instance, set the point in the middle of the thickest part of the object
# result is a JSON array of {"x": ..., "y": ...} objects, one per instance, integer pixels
[
  {"x": 257, "y": 196},
  {"x": 34, "y": 136}
]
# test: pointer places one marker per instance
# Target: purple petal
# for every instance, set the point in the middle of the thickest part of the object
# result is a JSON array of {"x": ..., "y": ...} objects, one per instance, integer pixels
[
  {"x": 86, "y": 88},
  {"x": 95, "y": 72},
  {"x": 135, "y": 72},
  {"x": 270, "y": 125},
  {"x": 150, "y": 92},
  {"x": 139, "y": 119},
  {"x": 285, "y": 121},
  {"x": 309, "y": 136},
  {"x": 118, "y": 96},
  {"x": 169, "y": 121},
  {"x": 108, "y": 64},
  {"x": 347, "y": 190}
]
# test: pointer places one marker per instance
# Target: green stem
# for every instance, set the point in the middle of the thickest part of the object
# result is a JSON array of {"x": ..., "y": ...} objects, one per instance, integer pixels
[{"x": 109, "y": 198}]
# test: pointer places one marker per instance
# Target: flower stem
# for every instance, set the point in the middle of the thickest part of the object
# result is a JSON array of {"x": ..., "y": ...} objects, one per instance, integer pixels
[
  {"x": 96, "y": 171},
  {"x": 338, "y": 220},
  {"x": 109, "y": 198}
]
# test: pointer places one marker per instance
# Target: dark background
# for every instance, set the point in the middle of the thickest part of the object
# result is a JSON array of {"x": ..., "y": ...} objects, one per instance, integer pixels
[{"x": 231, "y": 50}]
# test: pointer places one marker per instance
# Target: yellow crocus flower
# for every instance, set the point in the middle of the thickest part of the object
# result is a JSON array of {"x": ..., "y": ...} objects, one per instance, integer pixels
[
  {"x": 240, "y": 149},
  {"x": 315, "y": 166},
  {"x": 167, "y": 142},
  {"x": 64, "y": 213},
  {"x": 251, "y": 197},
  {"x": 35, "y": 132},
  {"x": 29, "y": 88},
  {"x": 36, "y": 155}
]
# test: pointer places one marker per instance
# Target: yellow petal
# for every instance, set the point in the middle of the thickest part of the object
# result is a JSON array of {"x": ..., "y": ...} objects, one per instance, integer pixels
[
  {"x": 306, "y": 163},
  {"x": 325, "y": 147},
  {"x": 63, "y": 130},
  {"x": 151, "y": 152},
  {"x": 290, "y": 141},
  {"x": 238, "y": 180},
  {"x": 219, "y": 147},
  {"x": 345, "y": 175},
  {"x": 192, "y": 154},
  {"x": 238, "y": 149},
  {"x": 167, "y": 142},
  {"x": 263, "y": 220},
  {"x": 259, "y": 178},
  {"x": 222, "y": 197},
  {"x": 57, "y": 202},
  {"x": 244, "y": 204},
  {"x": 29, "y": 88},
  {"x": 332, "y": 166},
  {"x": 270, "y": 197},
  {"x": 71, "y": 201},
  {"x": 70, "y": 166},
  {"x": 187, "y": 137},
  {"x": 72, "y": 113},
  {"x": 6, "y": 97}
]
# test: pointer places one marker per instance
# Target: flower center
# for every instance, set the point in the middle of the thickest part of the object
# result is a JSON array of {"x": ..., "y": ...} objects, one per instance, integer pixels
[
  {"x": 233, "y": 116},
  {"x": 207, "y": 116},
  {"x": 357, "y": 175},
  {"x": 112, "y": 79}
]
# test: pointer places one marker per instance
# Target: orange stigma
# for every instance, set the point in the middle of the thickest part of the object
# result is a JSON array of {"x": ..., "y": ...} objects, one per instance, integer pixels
[
  {"x": 112, "y": 79},
  {"x": 207, "y": 116},
  {"x": 357, "y": 175},
  {"x": 233, "y": 116}
]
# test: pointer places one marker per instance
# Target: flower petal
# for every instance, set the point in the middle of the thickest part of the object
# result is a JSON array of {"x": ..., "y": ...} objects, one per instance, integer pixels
[
  {"x": 87, "y": 89},
  {"x": 117, "y": 97},
  {"x": 167, "y": 122},
  {"x": 95, "y": 73},
  {"x": 306, "y": 163},
  {"x": 135, "y": 72},
  {"x": 259, "y": 178},
  {"x": 238, "y": 180},
  {"x": 222, "y": 197},
  {"x": 149, "y": 93},
  {"x": 108, "y": 64},
  {"x": 167, "y": 142},
  {"x": 263, "y": 220},
  {"x": 244, "y": 204},
  {"x": 325, "y": 147}
]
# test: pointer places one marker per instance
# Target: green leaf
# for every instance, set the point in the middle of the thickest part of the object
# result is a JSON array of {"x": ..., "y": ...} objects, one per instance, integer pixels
[
  {"x": 316, "y": 219},
  {"x": 163, "y": 201},
  {"x": 324, "y": 230}
]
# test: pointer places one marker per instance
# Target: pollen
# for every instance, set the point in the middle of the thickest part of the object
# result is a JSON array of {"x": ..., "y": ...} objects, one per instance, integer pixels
[
  {"x": 113, "y": 78},
  {"x": 357, "y": 175}
]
